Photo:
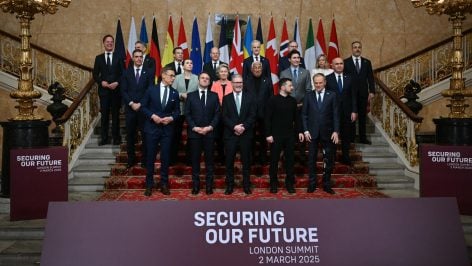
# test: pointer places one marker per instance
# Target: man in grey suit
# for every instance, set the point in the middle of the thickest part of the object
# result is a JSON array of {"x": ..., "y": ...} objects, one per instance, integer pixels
[
  {"x": 320, "y": 117},
  {"x": 301, "y": 83}
]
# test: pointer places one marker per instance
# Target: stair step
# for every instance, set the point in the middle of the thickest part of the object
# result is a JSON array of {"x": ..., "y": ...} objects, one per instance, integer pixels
[
  {"x": 379, "y": 157},
  {"x": 395, "y": 182},
  {"x": 380, "y": 169}
]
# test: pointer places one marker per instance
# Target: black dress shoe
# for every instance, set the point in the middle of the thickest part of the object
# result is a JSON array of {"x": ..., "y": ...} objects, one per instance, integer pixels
[
  {"x": 165, "y": 190},
  {"x": 346, "y": 162},
  {"x": 195, "y": 190},
  {"x": 365, "y": 141},
  {"x": 116, "y": 142},
  {"x": 329, "y": 190},
  {"x": 273, "y": 189},
  {"x": 247, "y": 190},
  {"x": 229, "y": 190},
  {"x": 209, "y": 190},
  {"x": 290, "y": 189},
  {"x": 311, "y": 188},
  {"x": 130, "y": 164},
  {"x": 148, "y": 192}
]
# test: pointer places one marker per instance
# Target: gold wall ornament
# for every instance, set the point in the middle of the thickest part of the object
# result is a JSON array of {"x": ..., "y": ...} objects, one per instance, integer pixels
[
  {"x": 456, "y": 10},
  {"x": 25, "y": 11}
]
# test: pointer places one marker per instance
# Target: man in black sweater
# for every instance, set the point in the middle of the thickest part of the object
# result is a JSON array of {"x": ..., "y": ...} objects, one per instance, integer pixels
[{"x": 282, "y": 121}]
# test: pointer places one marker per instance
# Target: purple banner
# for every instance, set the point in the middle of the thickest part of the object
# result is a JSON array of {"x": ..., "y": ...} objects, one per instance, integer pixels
[
  {"x": 446, "y": 171},
  {"x": 38, "y": 176},
  {"x": 234, "y": 233}
]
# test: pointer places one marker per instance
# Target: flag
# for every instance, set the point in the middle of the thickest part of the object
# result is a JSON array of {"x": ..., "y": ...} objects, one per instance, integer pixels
[
  {"x": 310, "y": 57},
  {"x": 296, "y": 37},
  {"x": 333, "y": 50},
  {"x": 133, "y": 37},
  {"x": 224, "y": 51},
  {"x": 143, "y": 33},
  {"x": 196, "y": 52},
  {"x": 236, "y": 60},
  {"x": 259, "y": 37},
  {"x": 248, "y": 39},
  {"x": 272, "y": 56},
  {"x": 119, "y": 42},
  {"x": 320, "y": 43},
  {"x": 208, "y": 42},
  {"x": 168, "y": 55},
  {"x": 155, "y": 51},
  {"x": 284, "y": 41},
  {"x": 182, "y": 41}
]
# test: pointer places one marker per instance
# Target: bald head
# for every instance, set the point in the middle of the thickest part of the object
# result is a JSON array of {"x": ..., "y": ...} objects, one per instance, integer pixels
[{"x": 338, "y": 65}]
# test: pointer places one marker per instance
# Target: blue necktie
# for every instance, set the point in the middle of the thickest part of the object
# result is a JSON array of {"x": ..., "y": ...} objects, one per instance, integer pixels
[
  {"x": 295, "y": 75},
  {"x": 164, "y": 98},
  {"x": 340, "y": 84},
  {"x": 319, "y": 99}
]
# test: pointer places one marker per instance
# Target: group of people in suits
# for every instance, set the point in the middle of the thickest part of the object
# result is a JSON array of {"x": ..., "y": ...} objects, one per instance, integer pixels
[{"x": 238, "y": 110}]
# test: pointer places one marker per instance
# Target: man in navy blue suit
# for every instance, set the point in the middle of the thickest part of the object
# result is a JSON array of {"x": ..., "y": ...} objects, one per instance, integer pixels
[
  {"x": 148, "y": 62},
  {"x": 134, "y": 83},
  {"x": 239, "y": 115},
  {"x": 107, "y": 71},
  {"x": 342, "y": 84},
  {"x": 256, "y": 57},
  {"x": 160, "y": 106},
  {"x": 202, "y": 111},
  {"x": 320, "y": 119}
]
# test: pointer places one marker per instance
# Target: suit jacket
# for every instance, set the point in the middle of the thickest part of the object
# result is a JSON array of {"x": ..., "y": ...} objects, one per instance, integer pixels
[
  {"x": 208, "y": 68},
  {"x": 199, "y": 116},
  {"x": 364, "y": 80},
  {"x": 347, "y": 99},
  {"x": 320, "y": 121},
  {"x": 132, "y": 91},
  {"x": 151, "y": 104},
  {"x": 173, "y": 67},
  {"x": 150, "y": 64},
  {"x": 284, "y": 63},
  {"x": 231, "y": 118},
  {"x": 265, "y": 67},
  {"x": 103, "y": 72},
  {"x": 301, "y": 86},
  {"x": 179, "y": 85},
  {"x": 261, "y": 94}
]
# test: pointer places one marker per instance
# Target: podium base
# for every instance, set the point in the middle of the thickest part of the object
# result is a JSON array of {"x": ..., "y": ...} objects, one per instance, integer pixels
[{"x": 453, "y": 131}]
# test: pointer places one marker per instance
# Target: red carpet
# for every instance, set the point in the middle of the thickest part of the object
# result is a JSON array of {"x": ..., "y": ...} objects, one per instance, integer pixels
[{"x": 258, "y": 194}]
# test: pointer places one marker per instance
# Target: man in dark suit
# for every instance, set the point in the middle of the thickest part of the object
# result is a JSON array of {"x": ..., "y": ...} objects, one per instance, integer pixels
[
  {"x": 284, "y": 63},
  {"x": 239, "y": 113},
  {"x": 134, "y": 83},
  {"x": 160, "y": 106},
  {"x": 178, "y": 63},
  {"x": 320, "y": 119},
  {"x": 148, "y": 62},
  {"x": 360, "y": 69},
  {"x": 262, "y": 89},
  {"x": 107, "y": 71},
  {"x": 202, "y": 111},
  {"x": 210, "y": 67},
  {"x": 341, "y": 84},
  {"x": 256, "y": 50}
]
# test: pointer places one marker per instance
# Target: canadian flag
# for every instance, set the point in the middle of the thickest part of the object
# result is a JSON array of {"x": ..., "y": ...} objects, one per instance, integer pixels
[
  {"x": 182, "y": 41},
  {"x": 272, "y": 56}
]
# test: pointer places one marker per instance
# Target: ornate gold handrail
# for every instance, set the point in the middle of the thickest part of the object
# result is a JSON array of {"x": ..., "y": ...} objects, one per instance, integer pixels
[{"x": 75, "y": 78}]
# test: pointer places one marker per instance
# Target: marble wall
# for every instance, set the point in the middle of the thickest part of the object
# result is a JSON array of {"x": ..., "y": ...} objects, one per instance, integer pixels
[{"x": 389, "y": 29}]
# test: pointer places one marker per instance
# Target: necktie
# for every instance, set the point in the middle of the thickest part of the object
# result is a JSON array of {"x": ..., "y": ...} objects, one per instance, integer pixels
[
  {"x": 319, "y": 99},
  {"x": 179, "y": 71},
  {"x": 214, "y": 66},
  {"x": 295, "y": 75},
  {"x": 164, "y": 98},
  {"x": 340, "y": 83},
  {"x": 203, "y": 98},
  {"x": 137, "y": 75},
  {"x": 108, "y": 59},
  {"x": 358, "y": 68},
  {"x": 238, "y": 102},
  {"x": 257, "y": 58}
]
